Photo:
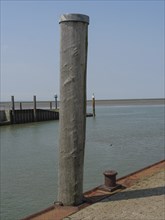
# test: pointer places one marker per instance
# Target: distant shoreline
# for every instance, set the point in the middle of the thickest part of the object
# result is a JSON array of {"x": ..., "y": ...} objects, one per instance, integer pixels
[
  {"x": 112, "y": 102},
  {"x": 125, "y": 102}
]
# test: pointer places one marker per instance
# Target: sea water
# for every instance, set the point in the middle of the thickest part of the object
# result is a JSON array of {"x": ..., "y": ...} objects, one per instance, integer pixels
[{"x": 123, "y": 138}]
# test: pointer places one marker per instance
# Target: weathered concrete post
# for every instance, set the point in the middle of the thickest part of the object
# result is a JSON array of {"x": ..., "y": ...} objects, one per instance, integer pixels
[
  {"x": 34, "y": 108},
  {"x": 73, "y": 64},
  {"x": 13, "y": 109}
]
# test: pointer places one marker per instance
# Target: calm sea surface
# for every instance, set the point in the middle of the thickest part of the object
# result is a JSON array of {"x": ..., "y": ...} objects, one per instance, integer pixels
[{"x": 121, "y": 138}]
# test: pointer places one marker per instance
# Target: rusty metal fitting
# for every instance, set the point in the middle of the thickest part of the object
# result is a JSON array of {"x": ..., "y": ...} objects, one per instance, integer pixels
[
  {"x": 57, "y": 203},
  {"x": 110, "y": 178}
]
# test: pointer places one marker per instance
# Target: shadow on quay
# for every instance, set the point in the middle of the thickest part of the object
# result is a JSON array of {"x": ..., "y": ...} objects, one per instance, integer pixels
[{"x": 136, "y": 194}]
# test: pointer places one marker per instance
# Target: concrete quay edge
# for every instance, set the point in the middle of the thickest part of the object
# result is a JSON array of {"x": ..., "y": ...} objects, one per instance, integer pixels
[{"x": 95, "y": 195}]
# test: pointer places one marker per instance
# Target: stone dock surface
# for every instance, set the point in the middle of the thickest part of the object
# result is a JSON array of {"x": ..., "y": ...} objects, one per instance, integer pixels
[{"x": 142, "y": 198}]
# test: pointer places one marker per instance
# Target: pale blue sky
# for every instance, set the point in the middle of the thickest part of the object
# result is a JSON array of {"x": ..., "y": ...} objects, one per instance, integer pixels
[{"x": 125, "y": 52}]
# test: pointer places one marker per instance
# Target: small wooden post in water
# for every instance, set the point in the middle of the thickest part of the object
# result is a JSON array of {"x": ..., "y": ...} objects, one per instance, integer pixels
[
  {"x": 13, "y": 109},
  {"x": 50, "y": 105},
  {"x": 34, "y": 108},
  {"x": 20, "y": 105},
  {"x": 93, "y": 105},
  {"x": 56, "y": 101},
  {"x": 73, "y": 57}
]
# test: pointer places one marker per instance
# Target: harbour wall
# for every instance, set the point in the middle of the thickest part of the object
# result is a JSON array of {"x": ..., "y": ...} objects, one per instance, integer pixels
[
  {"x": 26, "y": 116},
  {"x": 3, "y": 116}
]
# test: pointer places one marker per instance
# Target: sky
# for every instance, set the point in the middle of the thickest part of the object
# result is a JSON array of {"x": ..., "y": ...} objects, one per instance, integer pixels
[{"x": 125, "y": 48}]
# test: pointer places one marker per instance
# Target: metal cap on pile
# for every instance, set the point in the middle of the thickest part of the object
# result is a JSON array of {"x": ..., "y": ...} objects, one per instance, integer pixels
[{"x": 74, "y": 17}]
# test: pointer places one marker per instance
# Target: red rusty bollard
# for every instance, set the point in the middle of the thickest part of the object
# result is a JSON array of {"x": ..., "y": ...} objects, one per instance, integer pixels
[{"x": 110, "y": 178}]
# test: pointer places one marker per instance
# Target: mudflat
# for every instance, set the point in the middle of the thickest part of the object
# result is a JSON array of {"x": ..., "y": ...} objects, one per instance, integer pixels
[{"x": 125, "y": 102}]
